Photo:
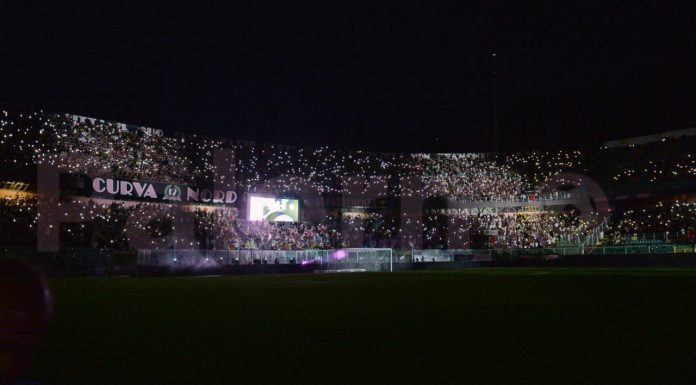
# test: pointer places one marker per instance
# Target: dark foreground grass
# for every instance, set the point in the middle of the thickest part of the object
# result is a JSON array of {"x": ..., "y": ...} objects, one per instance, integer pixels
[{"x": 486, "y": 326}]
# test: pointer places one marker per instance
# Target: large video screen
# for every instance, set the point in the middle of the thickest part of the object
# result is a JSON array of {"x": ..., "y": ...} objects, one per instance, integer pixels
[{"x": 273, "y": 209}]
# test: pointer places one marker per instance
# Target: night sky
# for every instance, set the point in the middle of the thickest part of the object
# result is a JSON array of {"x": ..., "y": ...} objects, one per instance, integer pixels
[{"x": 388, "y": 76}]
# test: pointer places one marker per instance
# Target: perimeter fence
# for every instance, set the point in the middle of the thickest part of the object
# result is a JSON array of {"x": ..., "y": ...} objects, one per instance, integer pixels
[{"x": 88, "y": 261}]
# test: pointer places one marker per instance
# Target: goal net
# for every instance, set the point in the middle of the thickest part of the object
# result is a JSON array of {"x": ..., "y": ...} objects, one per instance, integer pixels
[{"x": 357, "y": 260}]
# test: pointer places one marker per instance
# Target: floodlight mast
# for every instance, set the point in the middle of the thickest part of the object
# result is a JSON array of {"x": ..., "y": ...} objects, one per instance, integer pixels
[{"x": 495, "y": 105}]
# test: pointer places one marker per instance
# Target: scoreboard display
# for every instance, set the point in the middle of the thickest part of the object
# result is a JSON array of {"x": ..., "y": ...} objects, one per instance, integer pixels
[{"x": 273, "y": 209}]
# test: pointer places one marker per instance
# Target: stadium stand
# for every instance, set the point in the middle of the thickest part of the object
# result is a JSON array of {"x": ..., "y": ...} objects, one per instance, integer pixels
[{"x": 345, "y": 198}]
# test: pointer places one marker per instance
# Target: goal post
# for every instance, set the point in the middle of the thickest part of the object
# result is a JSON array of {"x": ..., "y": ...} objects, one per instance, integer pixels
[{"x": 359, "y": 259}]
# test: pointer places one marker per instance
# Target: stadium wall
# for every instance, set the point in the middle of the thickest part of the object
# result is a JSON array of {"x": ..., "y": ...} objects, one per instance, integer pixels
[{"x": 575, "y": 260}]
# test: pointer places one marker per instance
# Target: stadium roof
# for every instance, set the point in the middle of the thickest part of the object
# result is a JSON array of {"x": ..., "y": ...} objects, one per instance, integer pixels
[{"x": 645, "y": 139}]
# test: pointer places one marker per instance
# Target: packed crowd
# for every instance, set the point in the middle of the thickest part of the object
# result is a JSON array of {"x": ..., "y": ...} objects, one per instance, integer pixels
[
  {"x": 158, "y": 226},
  {"x": 90, "y": 224},
  {"x": 154, "y": 225},
  {"x": 96, "y": 147},
  {"x": 30, "y": 138},
  {"x": 509, "y": 229},
  {"x": 536, "y": 167},
  {"x": 224, "y": 230},
  {"x": 472, "y": 176},
  {"x": 664, "y": 221},
  {"x": 659, "y": 170},
  {"x": 660, "y": 162}
]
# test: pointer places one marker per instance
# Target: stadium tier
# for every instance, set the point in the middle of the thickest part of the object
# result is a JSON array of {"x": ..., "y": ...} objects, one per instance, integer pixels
[{"x": 70, "y": 182}]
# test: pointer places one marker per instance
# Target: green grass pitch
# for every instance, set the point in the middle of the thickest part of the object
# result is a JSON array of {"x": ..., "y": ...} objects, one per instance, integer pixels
[{"x": 483, "y": 326}]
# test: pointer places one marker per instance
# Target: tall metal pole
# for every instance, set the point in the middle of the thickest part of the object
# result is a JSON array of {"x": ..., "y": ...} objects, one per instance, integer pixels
[{"x": 495, "y": 104}]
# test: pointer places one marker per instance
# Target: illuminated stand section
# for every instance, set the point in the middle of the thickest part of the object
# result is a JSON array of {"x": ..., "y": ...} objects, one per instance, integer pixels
[
  {"x": 186, "y": 200},
  {"x": 265, "y": 210}
]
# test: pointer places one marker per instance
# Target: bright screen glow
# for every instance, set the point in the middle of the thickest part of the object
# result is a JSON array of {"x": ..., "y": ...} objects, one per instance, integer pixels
[{"x": 273, "y": 209}]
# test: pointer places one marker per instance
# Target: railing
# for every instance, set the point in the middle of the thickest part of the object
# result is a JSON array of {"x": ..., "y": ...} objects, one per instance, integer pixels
[
  {"x": 646, "y": 238},
  {"x": 338, "y": 259},
  {"x": 597, "y": 233},
  {"x": 103, "y": 261},
  {"x": 227, "y": 257},
  {"x": 449, "y": 255},
  {"x": 522, "y": 199}
]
